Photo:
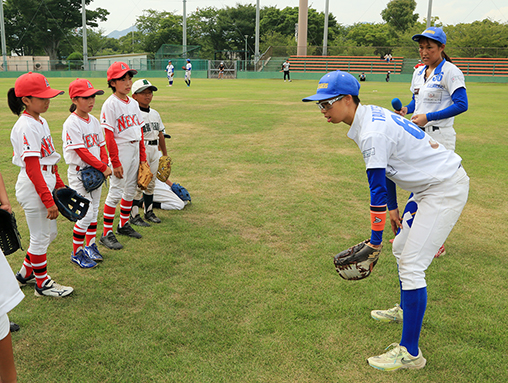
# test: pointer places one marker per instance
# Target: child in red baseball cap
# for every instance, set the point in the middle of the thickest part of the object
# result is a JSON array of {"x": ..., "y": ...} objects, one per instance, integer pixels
[
  {"x": 35, "y": 154},
  {"x": 123, "y": 126},
  {"x": 84, "y": 146}
]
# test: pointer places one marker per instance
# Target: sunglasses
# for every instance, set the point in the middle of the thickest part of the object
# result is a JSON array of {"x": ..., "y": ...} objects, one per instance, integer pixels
[{"x": 327, "y": 105}]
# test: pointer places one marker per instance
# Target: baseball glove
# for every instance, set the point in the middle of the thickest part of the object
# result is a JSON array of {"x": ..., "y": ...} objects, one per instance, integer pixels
[
  {"x": 181, "y": 192},
  {"x": 164, "y": 169},
  {"x": 184, "y": 68},
  {"x": 356, "y": 262},
  {"x": 92, "y": 178},
  {"x": 70, "y": 204},
  {"x": 144, "y": 176},
  {"x": 10, "y": 240}
]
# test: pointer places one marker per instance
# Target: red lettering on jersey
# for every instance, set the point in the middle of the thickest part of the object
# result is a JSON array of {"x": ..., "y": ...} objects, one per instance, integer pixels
[
  {"x": 121, "y": 124},
  {"x": 125, "y": 122},
  {"x": 91, "y": 139},
  {"x": 47, "y": 147},
  {"x": 68, "y": 139},
  {"x": 26, "y": 145}
]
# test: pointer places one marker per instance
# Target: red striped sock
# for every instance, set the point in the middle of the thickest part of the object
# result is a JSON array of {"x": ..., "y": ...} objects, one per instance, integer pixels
[
  {"x": 26, "y": 268},
  {"x": 91, "y": 233},
  {"x": 40, "y": 264},
  {"x": 109, "y": 217},
  {"x": 78, "y": 238},
  {"x": 125, "y": 211}
]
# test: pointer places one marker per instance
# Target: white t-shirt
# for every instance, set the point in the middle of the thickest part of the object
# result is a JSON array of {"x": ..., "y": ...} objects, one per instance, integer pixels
[
  {"x": 32, "y": 138},
  {"x": 412, "y": 159},
  {"x": 153, "y": 125},
  {"x": 189, "y": 67},
  {"x": 286, "y": 65},
  {"x": 435, "y": 94},
  {"x": 79, "y": 133},
  {"x": 123, "y": 118},
  {"x": 10, "y": 293}
]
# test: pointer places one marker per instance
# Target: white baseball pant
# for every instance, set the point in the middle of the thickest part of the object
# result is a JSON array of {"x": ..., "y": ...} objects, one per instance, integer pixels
[
  {"x": 125, "y": 188},
  {"x": 439, "y": 208},
  {"x": 152, "y": 157},
  {"x": 42, "y": 230},
  {"x": 94, "y": 197}
]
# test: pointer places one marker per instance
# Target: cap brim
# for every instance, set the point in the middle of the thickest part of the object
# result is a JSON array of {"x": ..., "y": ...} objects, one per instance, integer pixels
[
  {"x": 91, "y": 92},
  {"x": 319, "y": 97},
  {"x": 48, "y": 93},
  {"x": 152, "y": 87}
]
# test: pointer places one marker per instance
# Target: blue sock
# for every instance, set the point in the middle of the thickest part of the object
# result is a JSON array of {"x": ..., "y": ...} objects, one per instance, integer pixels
[{"x": 415, "y": 303}]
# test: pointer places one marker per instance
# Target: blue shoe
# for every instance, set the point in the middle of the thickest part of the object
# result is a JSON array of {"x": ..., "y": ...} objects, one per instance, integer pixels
[
  {"x": 82, "y": 260},
  {"x": 93, "y": 252}
]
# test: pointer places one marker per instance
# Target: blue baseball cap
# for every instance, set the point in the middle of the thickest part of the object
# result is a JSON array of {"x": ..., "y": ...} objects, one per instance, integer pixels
[
  {"x": 433, "y": 33},
  {"x": 188, "y": 60},
  {"x": 333, "y": 84}
]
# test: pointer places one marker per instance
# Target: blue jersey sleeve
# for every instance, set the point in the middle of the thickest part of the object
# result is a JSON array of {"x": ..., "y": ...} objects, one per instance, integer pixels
[
  {"x": 411, "y": 106},
  {"x": 460, "y": 105},
  {"x": 378, "y": 199}
]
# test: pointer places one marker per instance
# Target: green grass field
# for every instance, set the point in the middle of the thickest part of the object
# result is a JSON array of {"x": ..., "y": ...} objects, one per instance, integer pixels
[{"x": 240, "y": 285}]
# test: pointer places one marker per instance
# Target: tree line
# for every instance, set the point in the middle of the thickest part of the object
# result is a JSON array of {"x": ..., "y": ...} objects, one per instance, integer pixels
[{"x": 53, "y": 28}]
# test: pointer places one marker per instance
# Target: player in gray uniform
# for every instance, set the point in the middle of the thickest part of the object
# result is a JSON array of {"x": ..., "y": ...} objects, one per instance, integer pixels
[
  {"x": 398, "y": 152},
  {"x": 153, "y": 131}
]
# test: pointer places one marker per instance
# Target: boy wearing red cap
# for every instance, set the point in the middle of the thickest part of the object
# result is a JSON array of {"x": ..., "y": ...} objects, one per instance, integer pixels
[
  {"x": 123, "y": 126},
  {"x": 84, "y": 146},
  {"x": 35, "y": 154}
]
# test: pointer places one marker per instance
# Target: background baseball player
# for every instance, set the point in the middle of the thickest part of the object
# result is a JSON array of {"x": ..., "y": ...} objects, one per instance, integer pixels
[
  {"x": 35, "y": 154},
  {"x": 221, "y": 70},
  {"x": 188, "y": 70},
  {"x": 153, "y": 131},
  {"x": 170, "y": 72},
  {"x": 396, "y": 151},
  {"x": 123, "y": 126},
  {"x": 84, "y": 146},
  {"x": 285, "y": 69},
  {"x": 439, "y": 94}
]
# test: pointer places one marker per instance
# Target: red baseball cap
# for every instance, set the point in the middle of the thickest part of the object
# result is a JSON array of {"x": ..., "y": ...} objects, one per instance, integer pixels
[
  {"x": 118, "y": 69},
  {"x": 83, "y": 88},
  {"x": 35, "y": 85}
]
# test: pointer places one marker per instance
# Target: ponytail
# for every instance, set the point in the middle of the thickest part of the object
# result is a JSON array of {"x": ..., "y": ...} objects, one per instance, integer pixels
[
  {"x": 72, "y": 108},
  {"x": 16, "y": 104},
  {"x": 446, "y": 57}
]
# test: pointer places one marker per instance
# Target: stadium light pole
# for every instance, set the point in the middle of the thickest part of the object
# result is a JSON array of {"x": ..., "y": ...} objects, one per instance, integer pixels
[
  {"x": 4, "y": 47},
  {"x": 184, "y": 29},
  {"x": 325, "y": 32},
  {"x": 429, "y": 13},
  {"x": 256, "y": 48},
  {"x": 85, "y": 43},
  {"x": 303, "y": 15}
]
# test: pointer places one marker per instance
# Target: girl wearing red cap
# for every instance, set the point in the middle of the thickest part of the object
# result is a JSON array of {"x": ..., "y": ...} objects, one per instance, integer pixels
[
  {"x": 35, "y": 154},
  {"x": 84, "y": 146}
]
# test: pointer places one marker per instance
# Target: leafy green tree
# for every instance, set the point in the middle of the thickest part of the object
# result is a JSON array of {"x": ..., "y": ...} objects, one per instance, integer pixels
[
  {"x": 157, "y": 28},
  {"x": 33, "y": 25},
  {"x": 203, "y": 30},
  {"x": 399, "y": 14}
]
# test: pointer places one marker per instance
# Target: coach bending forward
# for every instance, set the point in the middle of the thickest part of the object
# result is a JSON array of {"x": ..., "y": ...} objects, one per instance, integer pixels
[{"x": 396, "y": 151}]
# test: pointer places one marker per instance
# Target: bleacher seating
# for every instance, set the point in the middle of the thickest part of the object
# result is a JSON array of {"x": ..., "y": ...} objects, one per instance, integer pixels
[
  {"x": 472, "y": 66},
  {"x": 367, "y": 64}
]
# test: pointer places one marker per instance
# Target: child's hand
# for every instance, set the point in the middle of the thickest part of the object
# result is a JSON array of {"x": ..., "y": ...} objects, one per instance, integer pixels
[
  {"x": 6, "y": 207},
  {"x": 118, "y": 172},
  {"x": 107, "y": 172},
  {"x": 52, "y": 212}
]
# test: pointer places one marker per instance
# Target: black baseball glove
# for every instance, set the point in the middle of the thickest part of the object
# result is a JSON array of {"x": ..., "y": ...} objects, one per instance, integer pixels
[
  {"x": 92, "y": 178},
  {"x": 357, "y": 262},
  {"x": 10, "y": 240},
  {"x": 70, "y": 204}
]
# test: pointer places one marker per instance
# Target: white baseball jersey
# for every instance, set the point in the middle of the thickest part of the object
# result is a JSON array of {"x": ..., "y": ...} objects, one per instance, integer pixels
[
  {"x": 435, "y": 94},
  {"x": 286, "y": 65},
  {"x": 170, "y": 69},
  {"x": 32, "y": 138},
  {"x": 188, "y": 67},
  {"x": 412, "y": 159},
  {"x": 123, "y": 118},
  {"x": 79, "y": 133},
  {"x": 153, "y": 125}
]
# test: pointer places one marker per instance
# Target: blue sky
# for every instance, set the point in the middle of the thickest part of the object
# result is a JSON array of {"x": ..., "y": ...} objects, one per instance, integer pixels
[{"x": 123, "y": 13}]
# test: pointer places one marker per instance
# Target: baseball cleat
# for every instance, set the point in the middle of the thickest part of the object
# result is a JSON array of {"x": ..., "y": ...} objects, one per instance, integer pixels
[
  {"x": 128, "y": 231},
  {"x": 52, "y": 289},
  {"x": 92, "y": 252},
  {"x": 13, "y": 327},
  {"x": 397, "y": 358},
  {"x": 138, "y": 221},
  {"x": 110, "y": 241},
  {"x": 394, "y": 314},
  {"x": 150, "y": 216},
  {"x": 440, "y": 252},
  {"x": 30, "y": 280},
  {"x": 82, "y": 260}
]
